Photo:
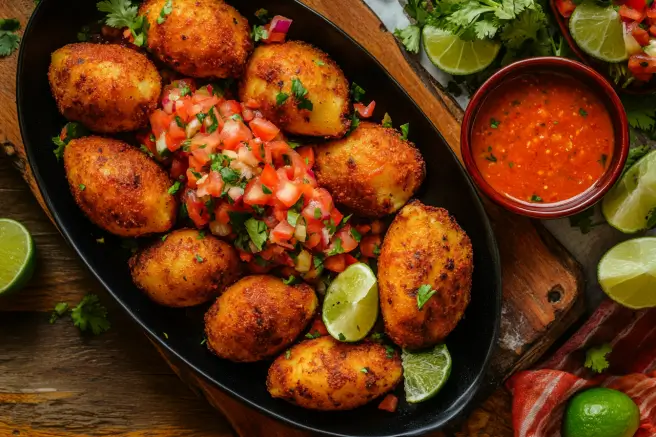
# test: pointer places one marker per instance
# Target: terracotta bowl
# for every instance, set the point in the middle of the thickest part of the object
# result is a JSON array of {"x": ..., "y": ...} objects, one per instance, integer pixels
[
  {"x": 599, "y": 85},
  {"x": 599, "y": 66}
]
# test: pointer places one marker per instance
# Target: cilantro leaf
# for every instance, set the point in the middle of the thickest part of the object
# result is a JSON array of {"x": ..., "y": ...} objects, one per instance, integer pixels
[
  {"x": 595, "y": 358},
  {"x": 71, "y": 131},
  {"x": 175, "y": 187},
  {"x": 424, "y": 293},
  {"x": 337, "y": 248},
  {"x": 635, "y": 154},
  {"x": 583, "y": 220},
  {"x": 300, "y": 93},
  {"x": 165, "y": 12},
  {"x": 9, "y": 24},
  {"x": 289, "y": 280},
  {"x": 524, "y": 28},
  {"x": 259, "y": 33},
  {"x": 120, "y": 13},
  {"x": 387, "y": 120},
  {"x": 257, "y": 231},
  {"x": 59, "y": 311},
  {"x": 281, "y": 98},
  {"x": 357, "y": 92},
  {"x": 410, "y": 37},
  {"x": 292, "y": 217},
  {"x": 8, "y": 43},
  {"x": 215, "y": 121},
  {"x": 416, "y": 9},
  {"x": 262, "y": 15},
  {"x": 90, "y": 314},
  {"x": 405, "y": 129}
]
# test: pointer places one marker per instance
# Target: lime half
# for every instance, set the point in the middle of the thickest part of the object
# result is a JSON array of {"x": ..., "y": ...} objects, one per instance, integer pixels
[
  {"x": 627, "y": 273},
  {"x": 628, "y": 205},
  {"x": 16, "y": 255},
  {"x": 598, "y": 31},
  {"x": 425, "y": 372},
  {"x": 350, "y": 308},
  {"x": 455, "y": 56}
]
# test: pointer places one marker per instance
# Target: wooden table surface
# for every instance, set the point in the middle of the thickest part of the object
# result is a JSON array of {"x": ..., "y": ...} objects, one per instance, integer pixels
[{"x": 56, "y": 382}]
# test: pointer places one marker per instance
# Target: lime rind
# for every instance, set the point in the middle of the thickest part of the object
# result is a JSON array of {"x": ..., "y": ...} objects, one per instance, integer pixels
[
  {"x": 598, "y": 31},
  {"x": 425, "y": 372},
  {"x": 628, "y": 205},
  {"x": 350, "y": 308},
  {"x": 627, "y": 273},
  {"x": 455, "y": 56},
  {"x": 16, "y": 255}
]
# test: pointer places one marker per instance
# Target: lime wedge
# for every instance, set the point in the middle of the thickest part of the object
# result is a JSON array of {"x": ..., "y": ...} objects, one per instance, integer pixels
[
  {"x": 627, "y": 273},
  {"x": 16, "y": 255},
  {"x": 629, "y": 204},
  {"x": 350, "y": 308},
  {"x": 425, "y": 372},
  {"x": 598, "y": 31},
  {"x": 455, "y": 56}
]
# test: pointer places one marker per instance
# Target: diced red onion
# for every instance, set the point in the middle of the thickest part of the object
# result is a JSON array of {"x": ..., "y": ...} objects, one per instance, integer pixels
[
  {"x": 280, "y": 24},
  {"x": 235, "y": 193},
  {"x": 220, "y": 229}
]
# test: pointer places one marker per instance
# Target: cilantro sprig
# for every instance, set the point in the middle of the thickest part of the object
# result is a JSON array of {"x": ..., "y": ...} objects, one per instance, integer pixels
[
  {"x": 122, "y": 14},
  {"x": 8, "y": 39}
]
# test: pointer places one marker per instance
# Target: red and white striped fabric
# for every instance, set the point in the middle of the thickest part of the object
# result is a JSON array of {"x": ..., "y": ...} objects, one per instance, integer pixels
[{"x": 540, "y": 396}]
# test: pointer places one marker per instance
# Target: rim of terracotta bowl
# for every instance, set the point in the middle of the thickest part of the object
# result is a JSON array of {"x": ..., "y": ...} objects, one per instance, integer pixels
[{"x": 598, "y": 85}]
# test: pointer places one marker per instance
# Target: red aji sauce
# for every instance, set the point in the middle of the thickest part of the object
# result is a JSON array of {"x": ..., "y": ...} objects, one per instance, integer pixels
[{"x": 542, "y": 138}]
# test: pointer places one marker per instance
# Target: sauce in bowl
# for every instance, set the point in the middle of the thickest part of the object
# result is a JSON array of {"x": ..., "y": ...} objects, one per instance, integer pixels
[{"x": 542, "y": 138}]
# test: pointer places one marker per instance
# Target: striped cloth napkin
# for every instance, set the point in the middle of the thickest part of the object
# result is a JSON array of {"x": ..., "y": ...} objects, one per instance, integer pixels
[{"x": 540, "y": 396}]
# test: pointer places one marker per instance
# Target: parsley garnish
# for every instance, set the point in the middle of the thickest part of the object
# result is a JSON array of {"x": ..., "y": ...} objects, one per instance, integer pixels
[
  {"x": 229, "y": 175},
  {"x": 387, "y": 120},
  {"x": 424, "y": 293},
  {"x": 357, "y": 92},
  {"x": 72, "y": 131},
  {"x": 410, "y": 37},
  {"x": 281, "y": 98},
  {"x": 122, "y": 13},
  {"x": 596, "y": 358},
  {"x": 405, "y": 129},
  {"x": 90, "y": 314},
  {"x": 165, "y": 12},
  {"x": 8, "y": 39},
  {"x": 300, "y": 93}
]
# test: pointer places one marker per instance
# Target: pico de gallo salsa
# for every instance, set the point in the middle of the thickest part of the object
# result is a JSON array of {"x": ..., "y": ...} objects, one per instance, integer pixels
[
  {"x": 238, "y": 176},
  {"x": 639, "y": 20},
  {"x": 542, "y": 138}
]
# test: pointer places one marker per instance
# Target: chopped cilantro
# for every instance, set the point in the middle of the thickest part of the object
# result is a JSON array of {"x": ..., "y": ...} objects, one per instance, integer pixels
[
  {"x": 583, "y": 112},
  {"x": 364, "y": 370},
  {"x": 424, "y": 293},
  {"x": 289, "y": 280},
  {"x": 341, "y": 337},
  {"x": 229, "y": 175},
  {"x": 199, "y": 258},
  {"x": 337, "y": 248},
  {"x": 262, "y": 15},
  {"x": 387, "y": 120},
  {"x": 257, "y": 231},
  {"x": 357, "y": 92},
  {"x": 266, "y": 189},
  {"x": 60, "y": 310},
  {"x": 82, "y": 187},
  {"x": 281, "y": 98},
  {"x": 300, "y": 93},
  {"x": 405, "y": 129},
  {"x": 288, "y": 354},
  {"x": 603, "y": 159},
  {"x": 292, "y": 217},
  {"x": 90, "y": 314},
  {"x": 596, "y": 358},
  {"x": 376, "y": 249},
  {"x": 494, "y": 123},
  {"x": 164, "y": 237},
  {"x": 319, "y": 62},
  {"x": 355, "y": 122},
  {"x": 215, "y": 122},
  {"x": 536, "y": 198},
  {"x": 356, "y": 235},
  {"x": 165, "y": 12},
  {"x": 313, "y": 335},
  {"x": 123, "y": 13},
  {"x": 317, "y": 213},
  {"x": 201, "y": 235},
  {"x": 410, "y": 37},
  {"x": 389, "y": 351},
  {"x": 174, "y": 188},
  {"x": 259, "y": 33}
]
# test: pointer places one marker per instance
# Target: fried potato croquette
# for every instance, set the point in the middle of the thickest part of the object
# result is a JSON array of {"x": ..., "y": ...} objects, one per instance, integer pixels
[
  {"x": 373, "y": 171},
  {"x": 424, "y": 245},
  {"x": 106, "y": 87},
  {"x": 118, "y": 187},
  {"x": 185, "y": 269},
  {"x": 258, "y": 317},
  {"x": 275, "y": 78},
  {"x": 325, "y": 374},
  {"x": 199, "y": 38}
]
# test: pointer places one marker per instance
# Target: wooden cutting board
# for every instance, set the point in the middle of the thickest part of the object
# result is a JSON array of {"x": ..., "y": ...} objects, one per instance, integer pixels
[{"x": 542, "y": 282}]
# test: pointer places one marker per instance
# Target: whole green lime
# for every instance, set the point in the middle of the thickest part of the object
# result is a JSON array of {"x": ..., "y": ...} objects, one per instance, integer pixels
[{"x": 601, "y": 412}]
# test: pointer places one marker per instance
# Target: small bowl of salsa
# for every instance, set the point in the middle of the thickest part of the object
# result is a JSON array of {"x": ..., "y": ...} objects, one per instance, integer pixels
[{"x": 545, "y": 137}]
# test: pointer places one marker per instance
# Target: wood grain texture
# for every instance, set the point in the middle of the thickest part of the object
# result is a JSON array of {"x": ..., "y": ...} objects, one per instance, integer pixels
[{"x": 534, "y": 268}]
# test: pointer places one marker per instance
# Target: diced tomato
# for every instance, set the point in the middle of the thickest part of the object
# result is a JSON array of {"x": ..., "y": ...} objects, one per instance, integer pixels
[
  {"x": 350, "y": 259},
  {"x": 565, "y": 7},
  {"x": 245, "y": 256},
  {"x": 652, "y": 30},
  {"x": 642, "y": 64},
  {"x": 252, "y": 104},
  {"x": 306, "y": 189},
  {"x": 278, "y": 149},
  {"x": 390, "y": 403},
  {"x": 254, "y": 267},
  {"x": 264, "y": 129},
  {"x": 336, "y": 216},
  {"x": 160, "y": 122},
  {"x": 184, "y": 109},
  {"x": 651, "y": 12},
  {"x": 630, "y": 14},
  {"x": 335, "y": 263},
  {"x": 211, "y": 141},
  {"x": 638, "y": 5},
  {"x": 261, "y": 151},
  {"x": 312, "y": 241},
  {"x": 324, "y": 198},
  {"x": 377, "y": 227},
  {"x": 370, "y": 246},
  {"x": 186, "y": 83},
  {"x": 229, "y": 108},
  {"x": 641, "y": 35},
  {"x": 212, "y": 185},
  {"x": 282, "y": 232},
  {"x": 176, "y": 132},
  {"x": 348, "y": 242},
  {"x": 273, "y": 37},
  {"x": 269, "y": 177},
  {"x": 247, "y": 114},
  {"x": 365, "y": 111},
  {"x": 191, "y": 179},
  {"x": 254, "y": 194},
  {"x": 178, "y": 167},
  {"x": 307, "y": 153},
  {"x": 196, "y": 209},
  {"x": 270, "y": 220},
  {"x": 318, "y": 327},
  {"x": 363, "y": 229},
  {"x": 288, "y": 193},
  {"x": 233, "y": 133},
  {"x": 198, "y": 159}
]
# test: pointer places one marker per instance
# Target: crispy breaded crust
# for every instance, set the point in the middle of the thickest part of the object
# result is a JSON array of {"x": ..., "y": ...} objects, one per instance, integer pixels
[
  {"x": 185, "y": 270},
  {"x": 124, "y": 192},
  {"x": 270, "y": 71},
  {"x": 258, "y": 317},
  {"x": 106, "y": 87},
  {"x": 424, "y": 245},
  {"x": 325, "y": 374},
  {"x": 373, "y": 171},
  {"x": 199, "y": 38}
]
